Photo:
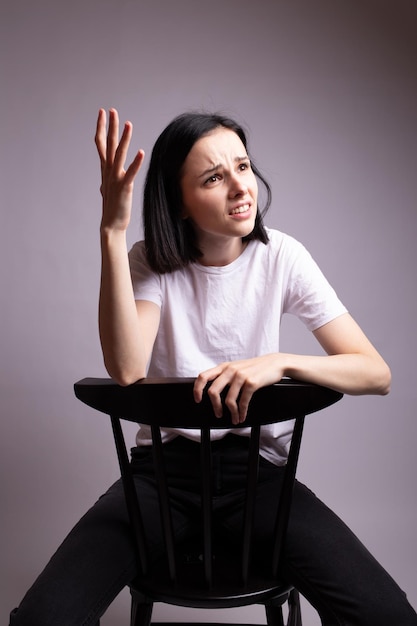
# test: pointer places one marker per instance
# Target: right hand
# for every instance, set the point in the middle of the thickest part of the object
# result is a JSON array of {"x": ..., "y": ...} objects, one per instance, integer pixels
[{"x": 116, "y": 182}]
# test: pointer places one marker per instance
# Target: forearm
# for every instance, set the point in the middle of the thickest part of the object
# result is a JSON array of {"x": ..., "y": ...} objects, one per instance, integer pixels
[
  {"x": 353, "y": 374},
  {"x": 351, "y": 365},
  {"x": 120, "y": 333}
]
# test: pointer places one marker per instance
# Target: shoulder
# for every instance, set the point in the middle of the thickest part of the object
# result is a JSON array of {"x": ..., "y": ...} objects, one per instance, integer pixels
[
  {"x": 138, "y": 262},
  {"x": 281, "y": 247},
  {"x": 283, "y": 241},
  {"x": 138, "y": 253}
]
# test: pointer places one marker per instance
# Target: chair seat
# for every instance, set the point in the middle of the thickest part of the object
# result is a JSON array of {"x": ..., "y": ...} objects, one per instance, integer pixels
[{"x": 191, "y": 590}]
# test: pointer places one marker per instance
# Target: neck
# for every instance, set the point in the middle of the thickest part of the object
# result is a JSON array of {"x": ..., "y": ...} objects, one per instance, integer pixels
[{"x": 220, "y": 253}]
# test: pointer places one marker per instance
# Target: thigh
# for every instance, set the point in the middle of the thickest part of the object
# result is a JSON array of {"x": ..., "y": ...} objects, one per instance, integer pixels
[
  {"x": 328, "y": 564},
  {"x": 88, "y": 570},
  {"x": 95, "y": 561},
  {"x": 336, "y": 572}
]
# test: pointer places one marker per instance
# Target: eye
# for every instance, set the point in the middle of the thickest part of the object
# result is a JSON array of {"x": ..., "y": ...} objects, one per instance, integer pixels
[
  {"x": 212, "y": 179},
  {"x": 244, "y": 166}
]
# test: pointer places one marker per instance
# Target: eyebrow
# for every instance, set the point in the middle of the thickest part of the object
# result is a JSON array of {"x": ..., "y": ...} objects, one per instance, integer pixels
[{"x": 215, "y": 168}]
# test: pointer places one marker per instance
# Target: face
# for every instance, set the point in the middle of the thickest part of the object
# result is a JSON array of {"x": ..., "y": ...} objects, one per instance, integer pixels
[{"x": 219, "y": 191}]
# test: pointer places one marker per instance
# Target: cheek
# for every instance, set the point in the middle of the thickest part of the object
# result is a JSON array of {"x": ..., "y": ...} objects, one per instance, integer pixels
[
  {"x": 253, "y": 184},
  {"x": 189, "y": 203}
]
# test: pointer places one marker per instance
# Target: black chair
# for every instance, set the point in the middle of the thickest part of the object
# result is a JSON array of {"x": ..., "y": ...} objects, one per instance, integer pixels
[{"x": 212, "y": 579}]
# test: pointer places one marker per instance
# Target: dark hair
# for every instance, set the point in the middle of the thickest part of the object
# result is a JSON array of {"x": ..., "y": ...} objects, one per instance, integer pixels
[{"x": 170, "y": 240}]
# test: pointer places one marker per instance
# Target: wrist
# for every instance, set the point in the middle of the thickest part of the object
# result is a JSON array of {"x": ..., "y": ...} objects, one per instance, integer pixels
[
  {"x": 288, "y": 364},
  {"x": 110, "y": 233}
]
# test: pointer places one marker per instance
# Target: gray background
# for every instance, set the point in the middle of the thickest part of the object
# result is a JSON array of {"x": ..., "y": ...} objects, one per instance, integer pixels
[{"x": 327, "y": 89}]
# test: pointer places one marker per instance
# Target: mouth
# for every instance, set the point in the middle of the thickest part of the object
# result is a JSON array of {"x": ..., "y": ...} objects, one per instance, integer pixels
[{"x": 244, "y": 208}]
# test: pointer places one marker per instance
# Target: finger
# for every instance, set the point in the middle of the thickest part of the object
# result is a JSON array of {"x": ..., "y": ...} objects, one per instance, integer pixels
[
  {"x": 232, "y": 399},
  {"x": 232, "y": 405},
  {"x": 239, "y": 396},
  {"x": 112, "y": 136},
  {"x": 221, "y": 376},
  {"x": 200, "y": 384},
  {"x": 100, "y": 136},
  {"x": 134, "y": 167},
  {"x": 216, "y": 400},
  {"x": 244, "y": 401},
  {"x": 122, "y": 147},
  {"x": 198, "y": 389}
]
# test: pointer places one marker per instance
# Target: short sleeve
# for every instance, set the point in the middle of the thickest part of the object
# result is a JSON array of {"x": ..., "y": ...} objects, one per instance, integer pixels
[
  {"x": 309, "y": 296},
  {"x": 146, "y": 283}
]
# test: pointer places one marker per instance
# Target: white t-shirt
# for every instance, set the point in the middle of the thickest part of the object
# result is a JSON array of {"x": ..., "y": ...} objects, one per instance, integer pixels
[{"x": 215, "y": 314}]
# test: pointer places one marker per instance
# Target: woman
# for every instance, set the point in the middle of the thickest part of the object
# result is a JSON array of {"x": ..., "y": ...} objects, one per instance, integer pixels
[{"x": 203, "y": 296}]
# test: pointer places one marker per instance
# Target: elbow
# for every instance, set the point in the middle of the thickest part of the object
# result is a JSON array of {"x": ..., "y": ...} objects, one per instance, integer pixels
[
  {"x": 383, "y": 382},
  {"x": 125, "y": 381},
  {"x": 124, "y": 376}
]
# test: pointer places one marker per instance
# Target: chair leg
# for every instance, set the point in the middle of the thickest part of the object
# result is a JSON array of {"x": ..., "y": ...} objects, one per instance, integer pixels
[
  {"x": 294, "y": 609},
  {"x": 141, "y": 612},
  {"x": 274, "y": 615}
]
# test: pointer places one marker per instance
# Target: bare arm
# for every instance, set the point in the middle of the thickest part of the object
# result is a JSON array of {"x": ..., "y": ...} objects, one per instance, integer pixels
[
  {"x": 127, "y": 329},
  {"x": 352, "y": 365}
]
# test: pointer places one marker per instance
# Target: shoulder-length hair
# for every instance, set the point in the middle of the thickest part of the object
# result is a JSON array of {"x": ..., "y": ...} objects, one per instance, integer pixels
[{"x": 170, "y": 240}]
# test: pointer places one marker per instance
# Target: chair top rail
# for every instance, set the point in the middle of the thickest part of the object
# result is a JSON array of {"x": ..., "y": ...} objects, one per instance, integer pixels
[{"x": 169, "y": 402}]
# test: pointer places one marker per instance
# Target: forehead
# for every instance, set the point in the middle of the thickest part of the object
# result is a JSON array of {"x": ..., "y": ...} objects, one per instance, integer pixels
[{"x": 216, "y": 148}]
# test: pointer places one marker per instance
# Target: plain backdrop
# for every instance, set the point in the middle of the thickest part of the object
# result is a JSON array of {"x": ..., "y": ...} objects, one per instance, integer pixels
[{"x": 327, "y": 91}]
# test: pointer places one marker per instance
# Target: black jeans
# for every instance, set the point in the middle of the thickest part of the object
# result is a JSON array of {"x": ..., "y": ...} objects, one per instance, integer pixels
[{"x": 323, "y": 559}]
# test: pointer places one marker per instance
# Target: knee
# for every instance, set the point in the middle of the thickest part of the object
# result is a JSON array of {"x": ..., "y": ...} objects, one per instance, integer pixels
[{"x": 14, "y": 620}]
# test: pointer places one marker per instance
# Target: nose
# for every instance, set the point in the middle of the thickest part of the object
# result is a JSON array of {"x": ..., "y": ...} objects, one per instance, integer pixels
[{"x": 237, "y": 186}]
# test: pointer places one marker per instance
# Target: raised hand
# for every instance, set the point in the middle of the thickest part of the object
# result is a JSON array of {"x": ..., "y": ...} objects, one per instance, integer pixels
[{"x": 116, "y": 182}]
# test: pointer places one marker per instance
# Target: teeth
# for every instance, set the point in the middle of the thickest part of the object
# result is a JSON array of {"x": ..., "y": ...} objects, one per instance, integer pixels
[{"x": 241, "y": 209}]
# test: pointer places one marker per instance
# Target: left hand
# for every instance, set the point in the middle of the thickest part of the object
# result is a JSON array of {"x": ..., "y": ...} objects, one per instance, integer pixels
[{"x": 244, "y": 378}]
